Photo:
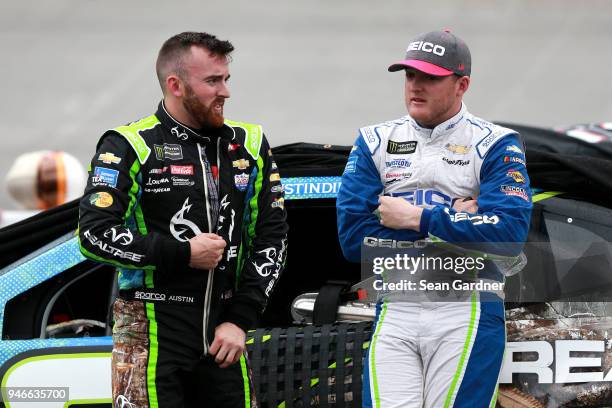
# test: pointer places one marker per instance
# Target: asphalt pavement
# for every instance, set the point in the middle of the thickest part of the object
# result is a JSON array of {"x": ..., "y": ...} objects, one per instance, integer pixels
[{"x": 307, "y": 70}]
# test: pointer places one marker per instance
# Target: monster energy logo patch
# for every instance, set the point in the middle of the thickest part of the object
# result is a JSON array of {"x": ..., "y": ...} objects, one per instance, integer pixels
[
  {"x": 159, "y": 152},
  {"x": 168, "y": 151},
  {"x": 401, "y": 147}
]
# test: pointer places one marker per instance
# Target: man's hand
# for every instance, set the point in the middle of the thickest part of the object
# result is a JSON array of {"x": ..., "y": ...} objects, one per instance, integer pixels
[
  {"x": 206, "y": 251},
  {"x": 228, "y": 345},
  {"x": 397, "y": 213},
  {"x": 467, "y": 205}
]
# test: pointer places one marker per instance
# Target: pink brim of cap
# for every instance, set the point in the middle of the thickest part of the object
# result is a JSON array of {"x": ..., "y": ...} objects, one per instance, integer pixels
[{"x": 422, "y": 66}]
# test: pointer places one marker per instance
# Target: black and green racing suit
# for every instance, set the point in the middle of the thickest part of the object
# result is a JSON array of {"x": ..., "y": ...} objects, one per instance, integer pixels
[{"x": 154, "y": 184}]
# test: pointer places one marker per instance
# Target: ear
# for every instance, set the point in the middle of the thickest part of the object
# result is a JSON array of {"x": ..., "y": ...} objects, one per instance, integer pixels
[
  {"x": 174, "y": 85},
  {"x": 463, "y": 84}
]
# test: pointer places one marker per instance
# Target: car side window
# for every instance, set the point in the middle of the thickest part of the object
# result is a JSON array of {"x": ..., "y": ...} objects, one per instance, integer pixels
[{"x": 75, "y": 303}]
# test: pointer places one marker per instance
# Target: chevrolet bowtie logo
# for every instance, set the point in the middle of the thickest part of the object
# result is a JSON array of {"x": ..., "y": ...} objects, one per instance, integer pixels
[
  {"x": 457, "y": 149},
  {"x": 241, "y": 164},
  {"x": 109, "y": 158}
]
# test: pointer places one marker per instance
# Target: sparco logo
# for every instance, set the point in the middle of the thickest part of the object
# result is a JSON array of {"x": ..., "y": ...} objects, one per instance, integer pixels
[
  {"x": 427, "y": 47},
  {"x": 149, "y": 296},
  {"x": 369, "y": 134}
]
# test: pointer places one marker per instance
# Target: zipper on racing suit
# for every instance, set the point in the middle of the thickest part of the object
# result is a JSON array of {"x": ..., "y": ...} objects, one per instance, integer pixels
[{"x": 209, "y": 282}]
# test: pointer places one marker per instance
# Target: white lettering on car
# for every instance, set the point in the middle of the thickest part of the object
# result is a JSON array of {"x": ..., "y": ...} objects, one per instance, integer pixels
[{"x": 556, "y": 365}]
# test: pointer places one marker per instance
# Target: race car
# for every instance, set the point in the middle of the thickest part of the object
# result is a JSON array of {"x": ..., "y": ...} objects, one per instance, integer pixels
[{"x": 55, "y": 305}]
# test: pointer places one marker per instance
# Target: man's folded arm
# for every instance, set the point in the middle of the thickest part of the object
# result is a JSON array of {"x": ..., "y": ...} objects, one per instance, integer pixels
[{"x": 356, "y": 204}]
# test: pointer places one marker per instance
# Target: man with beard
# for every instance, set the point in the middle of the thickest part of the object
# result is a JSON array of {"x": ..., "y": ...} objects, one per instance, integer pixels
[{"x": 190, "y": 209}]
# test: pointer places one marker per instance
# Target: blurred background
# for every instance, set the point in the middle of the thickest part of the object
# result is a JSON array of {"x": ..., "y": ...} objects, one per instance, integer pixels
[{"x": 307, "y": 70}]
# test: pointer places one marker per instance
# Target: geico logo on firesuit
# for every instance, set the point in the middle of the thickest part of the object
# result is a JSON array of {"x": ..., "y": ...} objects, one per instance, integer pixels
[
  {"x": 391, "y": 243},
  {"x": 420, "y": 197}
]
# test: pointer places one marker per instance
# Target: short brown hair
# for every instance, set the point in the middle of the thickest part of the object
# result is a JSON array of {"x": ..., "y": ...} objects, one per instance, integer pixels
[{"x": 172, "y": 53}]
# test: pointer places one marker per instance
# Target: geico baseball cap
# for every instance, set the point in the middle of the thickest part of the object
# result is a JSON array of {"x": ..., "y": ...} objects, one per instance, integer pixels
[{"x": 438, "y": 53}]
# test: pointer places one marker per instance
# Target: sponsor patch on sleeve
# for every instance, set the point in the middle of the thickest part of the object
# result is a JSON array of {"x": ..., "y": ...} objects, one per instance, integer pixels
[
  {"x": 279, "y": 188},
  {"x": 514, "y": 149},
  {"x": 109, "y": 158},
  {"x": 278, "y": 203},
  {"x": 351, "y": 165},
  {"x": 101, "y": 199},
  {"x": 516, "y": 176},
  {"x": 514, "y": 159},
  {"x": 492, "y": 135},
  {"x": 105, "y": 177},
  {"x": 515, "y": 191},
  {"x": 475, "y": 219}
]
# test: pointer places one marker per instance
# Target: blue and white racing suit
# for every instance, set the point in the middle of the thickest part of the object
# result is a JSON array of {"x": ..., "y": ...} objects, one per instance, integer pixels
[{"x": 425, "y": 353}]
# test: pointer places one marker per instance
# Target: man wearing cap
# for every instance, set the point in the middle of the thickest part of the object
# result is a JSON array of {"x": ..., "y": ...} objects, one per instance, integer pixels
[{"x": 441, "y": 174}]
